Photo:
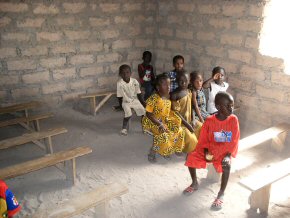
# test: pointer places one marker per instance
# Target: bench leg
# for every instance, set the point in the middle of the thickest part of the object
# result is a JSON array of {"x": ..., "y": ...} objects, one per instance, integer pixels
[
  {"x": 49, "y": 149},
  {"x": 212, "y": 174},
  {"x": 104, "y": 100},
  {"x": 93, "y": 105},
  {"x": 278, "y": 141},
  {"x": 36, "y": 125},
  {"x": 260, "y": 199},
  {"x": 70, "y": 170}
]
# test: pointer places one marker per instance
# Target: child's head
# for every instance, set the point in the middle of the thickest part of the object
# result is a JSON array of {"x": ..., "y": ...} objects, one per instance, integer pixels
[
  {"x": 147, "y": 55},
  {"x": 182, "y": 80},
  {"x": 196, "y": 80},
  {"x": 125, "y": 72},
  {"x": 218, "y": 73},
  {"x": 162, "y": 84},
  {"x": 178, "y": 63},
  {"x": 224, "y": 103}
]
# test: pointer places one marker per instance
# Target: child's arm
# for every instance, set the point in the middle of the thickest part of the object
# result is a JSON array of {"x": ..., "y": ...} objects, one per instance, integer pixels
[
  {"x": 232, "y": 147},
  {"x": 140, "y": 98},
  {"x": 141, "y": 71},
  {"x": 196, "y": 108},
  {"x": 158, "y": 123},
  {"x": 206, "y": 84},
  {"x": 120, "y": 100},
  {"x": 184, "y": 122}
]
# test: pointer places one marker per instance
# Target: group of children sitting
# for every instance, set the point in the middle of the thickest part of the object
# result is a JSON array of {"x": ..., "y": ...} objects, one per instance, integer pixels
[{"x": 175, "y": 112}]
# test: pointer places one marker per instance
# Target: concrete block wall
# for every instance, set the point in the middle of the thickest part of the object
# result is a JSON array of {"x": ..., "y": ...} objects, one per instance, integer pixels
[
  {"x": 226, "y": 33},
  {"x": 56, "y": 50}
]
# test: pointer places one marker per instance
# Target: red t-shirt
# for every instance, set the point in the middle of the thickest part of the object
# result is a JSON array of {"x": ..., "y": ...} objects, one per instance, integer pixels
[
  {"x": 220, "y": 137},
  {"x": 145, "y": 73}
]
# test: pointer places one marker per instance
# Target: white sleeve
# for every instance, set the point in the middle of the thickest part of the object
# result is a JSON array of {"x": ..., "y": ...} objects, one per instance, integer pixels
[
  {"x": 119, "y": 90},
  {"x": 137, "y": 87}
]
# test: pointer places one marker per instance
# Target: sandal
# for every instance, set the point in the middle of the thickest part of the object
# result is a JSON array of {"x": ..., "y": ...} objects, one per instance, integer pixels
[
  {"x": 217, "y": 204},
  {"x": 152, "y": 158},
  {"x": 189, "y": 190}
]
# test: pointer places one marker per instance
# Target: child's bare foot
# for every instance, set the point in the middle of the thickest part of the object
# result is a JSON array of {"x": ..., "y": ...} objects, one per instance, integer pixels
[
  {"x": 179, "y": 154},
  {"x": 167, "y": 157},
  {"x": 190, "y": 189}
]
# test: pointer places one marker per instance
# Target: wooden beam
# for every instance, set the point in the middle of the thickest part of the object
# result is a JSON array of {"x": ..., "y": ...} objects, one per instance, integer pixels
[
  {"x": 97, "y": 94},
  {"x": 102, "y": 102},
  {"x": 46, "y": 161},
  {"x": 83, "y": 202},
  {"x": 19, "y": 107},
  {"x": 29, "y": 137}
]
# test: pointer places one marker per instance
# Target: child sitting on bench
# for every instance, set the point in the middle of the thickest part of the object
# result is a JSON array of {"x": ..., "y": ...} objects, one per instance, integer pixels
[
  {"x": 8, "y": 203},
  {"x": 218, "y": 142},
  {"x": 128, "y": 89}
]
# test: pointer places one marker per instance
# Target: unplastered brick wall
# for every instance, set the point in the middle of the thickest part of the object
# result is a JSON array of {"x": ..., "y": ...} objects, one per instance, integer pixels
[
  {"x": 54, "y": 50},
  {"x": 211, "y": 33}
]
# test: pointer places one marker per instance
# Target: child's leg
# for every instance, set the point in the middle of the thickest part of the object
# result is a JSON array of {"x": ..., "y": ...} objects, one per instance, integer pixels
[
  {"x": 194, "y": 185},
  {"x": 126, "y": 122},
  {"x": 225, "y": 179},
  {"x": 152, "y": 155}
]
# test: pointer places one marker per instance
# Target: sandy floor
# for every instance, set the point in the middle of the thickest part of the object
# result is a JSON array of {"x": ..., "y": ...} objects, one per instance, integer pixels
[{"x": 155, "y": 190}]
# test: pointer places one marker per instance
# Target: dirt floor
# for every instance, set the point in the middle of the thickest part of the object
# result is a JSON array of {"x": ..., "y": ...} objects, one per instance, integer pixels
[{"x": 155, "y": 190}]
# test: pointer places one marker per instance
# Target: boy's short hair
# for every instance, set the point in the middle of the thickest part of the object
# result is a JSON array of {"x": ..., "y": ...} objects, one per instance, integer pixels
[
  {"x": 217, "y": 70},
  {"x": 123, "y": 67},
  {"x": 222, "y": 95},
  {"x": 177, "y": 57},
  {"x": 159, "y": 78},
  {"x": 181, "y": 74},
  {"x": 145, "y": 53}
]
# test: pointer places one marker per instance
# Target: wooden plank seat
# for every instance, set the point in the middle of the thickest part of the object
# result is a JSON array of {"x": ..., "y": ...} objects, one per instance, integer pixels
[
  {"x": 35, "y": 119},
  {"x": 83, "y": 202},
  {"x": 47, "y": 161},
  {"x": 20, "y": 107},
  {"x": 277, "y": 133},
  {"x": 95, "y": 107},
  {"x": 260, "y": 184},
  {"x": 34, "y": 136}
]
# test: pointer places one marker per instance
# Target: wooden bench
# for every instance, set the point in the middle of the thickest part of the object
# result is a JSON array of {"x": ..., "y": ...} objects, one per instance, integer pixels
[
  {"x": 83, "y": 202},
  {"x": 20, "y": 120},
  {"x": 20, "y": 107},
  {"x": 95, "y": 107},
  {"x": 67, "y": 156},
  {"x": 277, "y": 133},
  {"x": 260, "y": 184},
  {"x": 33, "y": 137}
]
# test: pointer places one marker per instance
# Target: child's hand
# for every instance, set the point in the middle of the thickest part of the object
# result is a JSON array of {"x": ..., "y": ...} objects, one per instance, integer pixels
[
  {"x": 217, "y": 76},
  {"x": 191, "y": 128},
  {"x": 208, "y": 156},
  {"x": 162, "y": 128}
]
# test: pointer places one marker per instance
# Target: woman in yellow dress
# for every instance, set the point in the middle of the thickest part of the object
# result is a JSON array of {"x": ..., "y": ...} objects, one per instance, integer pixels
[
  {"x": 161, "y": 122},
  {"x": 181, "y": 100}
]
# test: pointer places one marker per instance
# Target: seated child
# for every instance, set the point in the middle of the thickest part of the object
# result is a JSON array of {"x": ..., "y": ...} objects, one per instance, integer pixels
[
  {"x": 8, "y": 203},
  {"x": 215, "y": 85},
  {"x": 181, "y": 103},
  {"x": 161, "y": 122},
  {"x": 218, "y": 142},
  {"x": 198, "y": 96},
  {"x": 128, "y": 90},
  {"x": 178, "y": 63},
  {"x": 146, "y": 74}
]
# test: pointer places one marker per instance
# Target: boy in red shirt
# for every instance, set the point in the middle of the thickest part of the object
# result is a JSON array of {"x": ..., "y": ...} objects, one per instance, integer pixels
[
  {"x": 218, "y": 142},
  {"x": 8, "y": 203}
]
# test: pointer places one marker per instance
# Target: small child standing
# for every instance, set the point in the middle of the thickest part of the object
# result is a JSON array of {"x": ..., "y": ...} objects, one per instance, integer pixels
[
  {"x": 178, "y": 64},
  {"x": 181, "y": 100},
  {"x": 215, "y": 85},
  {"x": 198, "y": 96},
  {"x": 128, "y": 91},
  {"x": 146, "y": 74},
  {"x": 161, "y": 122},
  {"x": 8, "y": 203},
  {"x": 218, "y": 142}
]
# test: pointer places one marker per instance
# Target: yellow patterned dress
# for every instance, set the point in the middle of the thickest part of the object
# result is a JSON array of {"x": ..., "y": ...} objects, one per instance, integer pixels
[
  {"x": 184, "y": 107},
  {"x": 169, "y": 142}
]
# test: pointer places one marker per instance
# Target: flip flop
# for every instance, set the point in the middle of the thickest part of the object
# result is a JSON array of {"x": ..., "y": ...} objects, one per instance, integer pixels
[
  {"x": 189, "y": 190},
  {"x": 217, "y": 204}
]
